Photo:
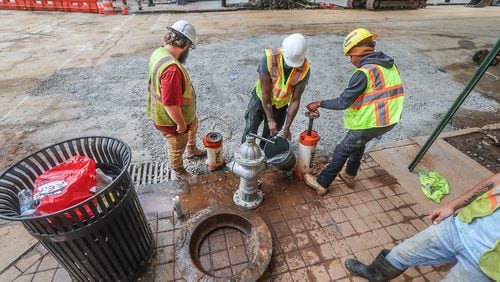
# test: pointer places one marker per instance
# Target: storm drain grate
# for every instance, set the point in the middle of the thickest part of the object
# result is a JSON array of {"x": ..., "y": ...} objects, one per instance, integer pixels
[{"x": 149, "y": 172}]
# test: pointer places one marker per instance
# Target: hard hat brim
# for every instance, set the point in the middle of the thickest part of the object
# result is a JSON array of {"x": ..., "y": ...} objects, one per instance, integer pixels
[{"x": 293, "y": 64}]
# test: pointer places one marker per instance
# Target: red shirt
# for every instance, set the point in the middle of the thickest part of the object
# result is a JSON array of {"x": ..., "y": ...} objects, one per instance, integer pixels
[{"x": 172, "y": 87}]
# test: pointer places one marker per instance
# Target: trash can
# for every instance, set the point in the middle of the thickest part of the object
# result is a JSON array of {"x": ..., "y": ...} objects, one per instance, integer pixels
[{"x": 113, "y": 242}]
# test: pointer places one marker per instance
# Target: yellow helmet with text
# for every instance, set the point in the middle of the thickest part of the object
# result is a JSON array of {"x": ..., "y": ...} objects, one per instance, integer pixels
[{"x": 355, "y": 37}]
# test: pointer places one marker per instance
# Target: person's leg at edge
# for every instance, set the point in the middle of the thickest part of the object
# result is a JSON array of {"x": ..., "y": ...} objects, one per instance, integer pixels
[
  {"x": 437, "y": 244},
  {"x": 192, "y": 150},
  {"x": 176, "y": 145},
  {"x": 434, "y": 245}
]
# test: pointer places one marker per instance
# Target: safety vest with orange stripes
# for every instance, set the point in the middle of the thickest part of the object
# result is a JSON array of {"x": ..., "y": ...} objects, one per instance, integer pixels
[
  {"x": 483, "y": 206},
  {"x": 282, "y": 87},
  {"x": 159, "y": 61},
  {"x": 381, "y": 103}
]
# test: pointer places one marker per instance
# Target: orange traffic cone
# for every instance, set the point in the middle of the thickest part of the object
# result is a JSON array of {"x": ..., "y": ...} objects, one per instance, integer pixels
[
  {"x": 124, "y": 10},
  {"x": 108, "y": 7}
]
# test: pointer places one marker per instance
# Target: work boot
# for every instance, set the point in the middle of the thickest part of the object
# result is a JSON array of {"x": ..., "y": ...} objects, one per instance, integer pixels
[
  {"x": 182, "y": 174},
  {"x": 379, "y": 270},
  {"x": 310, "y": 180},
  {"x": 192, "y": 151},
  {"x": 348, "y": 179}
]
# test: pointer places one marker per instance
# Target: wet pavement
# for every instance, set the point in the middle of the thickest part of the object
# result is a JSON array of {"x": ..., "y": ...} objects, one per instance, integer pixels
[{"x": 312, "y": 235}]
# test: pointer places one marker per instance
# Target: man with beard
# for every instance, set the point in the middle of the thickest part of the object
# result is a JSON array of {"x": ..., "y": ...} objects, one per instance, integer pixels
[{"x": 171, "y": 96}]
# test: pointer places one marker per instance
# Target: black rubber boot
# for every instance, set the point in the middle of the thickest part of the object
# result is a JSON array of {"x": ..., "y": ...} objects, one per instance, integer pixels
[{"x": 379, "y": 270}]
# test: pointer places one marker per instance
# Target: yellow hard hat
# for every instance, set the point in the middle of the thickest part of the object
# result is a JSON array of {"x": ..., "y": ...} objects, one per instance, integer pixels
[{"x": 356, "y": 36}]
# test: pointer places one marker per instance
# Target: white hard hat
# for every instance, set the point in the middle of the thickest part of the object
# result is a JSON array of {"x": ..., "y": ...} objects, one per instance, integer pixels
[
  {"x": 294, "y": 49},
  {"x": 186, "y": 29}
]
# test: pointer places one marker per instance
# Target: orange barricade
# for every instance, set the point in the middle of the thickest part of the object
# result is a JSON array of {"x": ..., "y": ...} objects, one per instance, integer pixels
[
  {"x": 12, "y": 5},
  {"x": 100, "y": 8},
  {"x": 44, "y": 5},
  {"x": 108, "y": 7},
  {"x": 84, "y": 6}
]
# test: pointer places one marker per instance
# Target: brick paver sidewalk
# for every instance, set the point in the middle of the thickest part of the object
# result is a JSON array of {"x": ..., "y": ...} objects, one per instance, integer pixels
[{"x": 312, "y": 235}]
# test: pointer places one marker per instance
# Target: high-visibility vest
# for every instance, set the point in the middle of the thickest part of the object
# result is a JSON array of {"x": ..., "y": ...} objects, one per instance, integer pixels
[
  {"x": 484, "y": 205},
  {"x": 159, "y": 61},
  {"x": 282, "y": 87},
  {"x": 381, "y": 103}
]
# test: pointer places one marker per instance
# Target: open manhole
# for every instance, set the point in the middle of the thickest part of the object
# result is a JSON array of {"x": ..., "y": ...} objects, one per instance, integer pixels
[
  {"x": 224, "y": 252},
  {"x": 225, "y": 246}
]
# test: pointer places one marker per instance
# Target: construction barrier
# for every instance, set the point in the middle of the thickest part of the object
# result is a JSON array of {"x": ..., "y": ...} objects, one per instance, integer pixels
[
  {"x": 82, "y": 6},
  {"x": 44, "y": 5},
  {"x": 108, "y": 7},
  {"x": 100, "y": 8},
  {"x": 86, "y": 6},
  {"x": 12, "y": 5}
]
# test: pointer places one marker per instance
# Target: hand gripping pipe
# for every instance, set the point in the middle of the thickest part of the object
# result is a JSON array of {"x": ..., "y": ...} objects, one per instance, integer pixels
[{"x": 458, "y": 102}]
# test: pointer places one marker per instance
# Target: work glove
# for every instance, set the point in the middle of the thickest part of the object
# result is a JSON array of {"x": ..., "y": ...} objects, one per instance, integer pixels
[{"x": 313, "y": 107}]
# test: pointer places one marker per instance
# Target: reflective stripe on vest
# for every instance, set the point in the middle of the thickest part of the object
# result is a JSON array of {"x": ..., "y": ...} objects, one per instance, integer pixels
[
  {"x": 381, "y": 103},
  {"x": 160, "y": 60},
  {"x": 484, "y": 205},
  {"x": 282, "y": 88}
]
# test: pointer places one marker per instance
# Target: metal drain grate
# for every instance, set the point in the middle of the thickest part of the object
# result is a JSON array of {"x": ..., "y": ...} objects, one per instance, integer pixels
[{"x": 149, "y": 172}]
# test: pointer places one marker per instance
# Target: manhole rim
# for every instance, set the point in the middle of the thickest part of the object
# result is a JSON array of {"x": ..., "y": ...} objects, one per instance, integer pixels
[{"x": 260, "y": 245}]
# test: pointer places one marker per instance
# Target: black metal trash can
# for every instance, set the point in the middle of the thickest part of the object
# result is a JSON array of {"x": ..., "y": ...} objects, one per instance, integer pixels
[{"x": 112, "y": 243}]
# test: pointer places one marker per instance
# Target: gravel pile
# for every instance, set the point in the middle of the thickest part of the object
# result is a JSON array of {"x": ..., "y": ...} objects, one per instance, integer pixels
[{"x": 113, "y": 97}]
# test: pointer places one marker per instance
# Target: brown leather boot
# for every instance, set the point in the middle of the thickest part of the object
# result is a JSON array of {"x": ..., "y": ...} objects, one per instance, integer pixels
[
  {"x": 192, "y": 151},
  {"x": 310, "y": 180},
  {"x": 348, "y": 179},
  {"x": 182, "y": 174}
]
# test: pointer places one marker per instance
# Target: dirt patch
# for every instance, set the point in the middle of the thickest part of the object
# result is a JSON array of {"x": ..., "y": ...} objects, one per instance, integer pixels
[
  {"x": 483, "y": 147},
  {"x": 471, "y": 118}
]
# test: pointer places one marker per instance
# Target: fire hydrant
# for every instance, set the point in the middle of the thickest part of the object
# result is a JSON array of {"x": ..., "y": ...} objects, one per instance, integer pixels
[{"x": 248, "y": 164}]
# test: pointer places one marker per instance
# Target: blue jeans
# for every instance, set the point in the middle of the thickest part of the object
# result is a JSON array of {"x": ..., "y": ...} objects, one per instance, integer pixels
[
  {"x": 352, "y": 147},
  {"x": 438, "y": 244}
]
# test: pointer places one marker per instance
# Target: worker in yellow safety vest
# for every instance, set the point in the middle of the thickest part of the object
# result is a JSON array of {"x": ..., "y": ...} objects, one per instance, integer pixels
[
  {"x": 171, "y": 96},
  {"x": 372, "y": 104},
  {"x": 470, "y": 240},
  {"x": 275, "y": 99}
]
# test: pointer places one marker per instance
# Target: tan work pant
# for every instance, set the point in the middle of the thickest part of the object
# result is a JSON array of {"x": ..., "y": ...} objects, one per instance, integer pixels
[{"x": 176, "y": 145}]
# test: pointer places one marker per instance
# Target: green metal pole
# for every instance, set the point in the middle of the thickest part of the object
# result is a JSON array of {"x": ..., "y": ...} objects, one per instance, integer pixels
[{"x": 456, "y": 105}]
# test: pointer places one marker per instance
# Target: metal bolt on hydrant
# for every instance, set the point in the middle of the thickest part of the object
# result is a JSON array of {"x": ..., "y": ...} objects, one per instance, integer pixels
[{"x": 248, "y": 164}]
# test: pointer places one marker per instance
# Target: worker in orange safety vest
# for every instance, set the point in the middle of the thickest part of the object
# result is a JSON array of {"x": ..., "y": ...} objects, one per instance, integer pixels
[{"x": 372, "y": 104}]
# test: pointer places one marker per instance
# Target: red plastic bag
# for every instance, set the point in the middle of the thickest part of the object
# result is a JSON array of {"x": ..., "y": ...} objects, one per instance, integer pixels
[{"x": 65, "y": 185}]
